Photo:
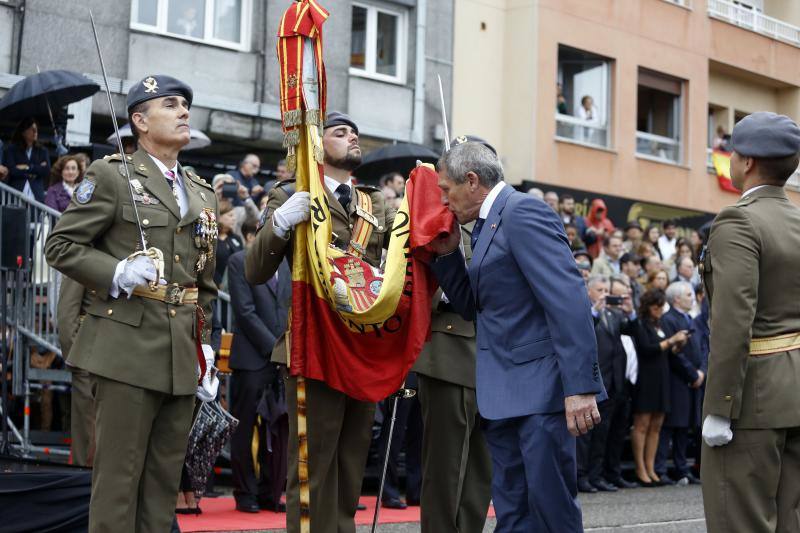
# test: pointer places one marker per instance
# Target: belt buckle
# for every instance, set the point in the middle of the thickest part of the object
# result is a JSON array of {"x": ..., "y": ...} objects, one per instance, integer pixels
[{"x": 173, "y": 294}]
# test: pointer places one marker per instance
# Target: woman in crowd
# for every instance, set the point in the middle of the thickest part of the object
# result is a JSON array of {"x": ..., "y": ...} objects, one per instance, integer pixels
[
  {"x": 657, "y": 279},
  {"x": 651, "y": 236},
  {"x": 246, "y": 213},
  {"x": 64, "y": 177},
  {"x": 651, "y": 399},
  {"x": 27, "y": 161},
  {"x": 227, "y": 241}
]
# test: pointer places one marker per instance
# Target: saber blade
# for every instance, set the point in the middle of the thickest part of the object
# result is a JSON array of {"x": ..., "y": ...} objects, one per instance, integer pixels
[
  {"x": 444, "y": 116},
  {"x": 116, "y": 131}
]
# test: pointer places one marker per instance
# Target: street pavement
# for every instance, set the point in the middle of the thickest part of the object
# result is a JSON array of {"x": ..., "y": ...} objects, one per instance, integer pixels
[{"x": 657, "y": 510}]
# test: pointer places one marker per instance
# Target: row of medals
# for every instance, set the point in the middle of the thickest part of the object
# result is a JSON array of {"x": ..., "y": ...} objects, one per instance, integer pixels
[{"x": 205, "y": 236}]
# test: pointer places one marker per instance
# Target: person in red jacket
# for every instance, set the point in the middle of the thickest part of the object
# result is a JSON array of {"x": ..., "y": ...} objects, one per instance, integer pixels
[{"x": 598, "y": 224}]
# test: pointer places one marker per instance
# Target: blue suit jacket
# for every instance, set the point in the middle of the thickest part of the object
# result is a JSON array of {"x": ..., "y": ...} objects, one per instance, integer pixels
[
  {"x": 685, "y": 402},
  {"x": 535, "y": 335},
  {"x": 260, "y": 314}
]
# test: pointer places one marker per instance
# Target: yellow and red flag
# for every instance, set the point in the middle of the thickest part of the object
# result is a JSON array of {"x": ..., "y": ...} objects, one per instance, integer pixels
[
  {"x": 355, "y": 327},
  {"x": 722, "y": 165}
]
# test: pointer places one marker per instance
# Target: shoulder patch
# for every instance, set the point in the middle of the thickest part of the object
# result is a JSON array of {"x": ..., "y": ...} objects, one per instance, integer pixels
[{"x": 84, "y": 191}]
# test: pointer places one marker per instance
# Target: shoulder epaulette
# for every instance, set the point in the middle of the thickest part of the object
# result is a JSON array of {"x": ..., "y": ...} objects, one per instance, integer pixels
[
  {"x": 367, "y": 187},
  {"x": 197, "y": 179},
  {"x": 114, "y": 157}
]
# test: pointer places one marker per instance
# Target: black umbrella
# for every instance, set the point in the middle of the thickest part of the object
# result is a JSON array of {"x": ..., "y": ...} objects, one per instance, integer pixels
[
  {"x": 400, "y": 157},
  {"x": 30, "y": 97}
]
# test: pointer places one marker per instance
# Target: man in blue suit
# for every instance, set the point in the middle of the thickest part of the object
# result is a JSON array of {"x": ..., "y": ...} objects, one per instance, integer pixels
[
  {"x": 687, "y": 373},
  {"x": 260, "y": 314},
  {"x": 537, "y": 374}
]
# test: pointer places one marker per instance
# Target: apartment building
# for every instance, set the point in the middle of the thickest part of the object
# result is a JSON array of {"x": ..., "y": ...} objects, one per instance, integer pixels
[
  {"x": 622, "y": 98},
  {"x": 380, "y": 55}
]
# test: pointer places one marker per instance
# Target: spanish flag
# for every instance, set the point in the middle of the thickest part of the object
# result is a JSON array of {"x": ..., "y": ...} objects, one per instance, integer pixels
[
  {"x": 722, "y": 165},
  {"x": 357, "y": 328}
]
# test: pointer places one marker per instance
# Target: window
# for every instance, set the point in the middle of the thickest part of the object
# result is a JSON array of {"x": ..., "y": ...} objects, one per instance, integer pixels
[
  {"x": 215, "y": 22},
  {"x": 658, "y": 117},
  {"x": 378, "y": 43},
  {"x": 582, "y": 97}
]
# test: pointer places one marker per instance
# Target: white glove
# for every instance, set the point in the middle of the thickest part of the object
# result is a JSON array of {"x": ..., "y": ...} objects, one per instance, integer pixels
[
  {"x": 291, "y": 213},
  {"x": 717, "y": 430},
  {"x": 207, "y": 389},
  {"x": 130, "y": 274}
]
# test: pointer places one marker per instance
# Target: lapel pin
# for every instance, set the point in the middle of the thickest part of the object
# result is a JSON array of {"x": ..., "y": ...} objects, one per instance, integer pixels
[{"x": 493, "y": 226}]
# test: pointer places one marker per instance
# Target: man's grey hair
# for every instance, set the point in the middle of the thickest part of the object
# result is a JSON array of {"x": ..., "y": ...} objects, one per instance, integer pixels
[
  {"x": 676, "y": 289},
  {"x": 472, "y": 157},
  {"x": 595, "y": 279}
]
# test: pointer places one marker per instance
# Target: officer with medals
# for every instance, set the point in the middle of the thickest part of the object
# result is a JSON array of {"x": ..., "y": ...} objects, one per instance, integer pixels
[
  {"x": 751, "y": 427},
  {"x": 456, "y": 465},
  {"x": 147, "y": 312},
  {"x": 339, "y": 427}
]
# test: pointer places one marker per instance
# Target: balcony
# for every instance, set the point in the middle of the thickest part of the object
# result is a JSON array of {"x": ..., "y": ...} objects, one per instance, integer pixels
[
  {"x": 754, "y": 21},
  {"x": 590, "y": 133},
  {"x": 658, "y": 148}
]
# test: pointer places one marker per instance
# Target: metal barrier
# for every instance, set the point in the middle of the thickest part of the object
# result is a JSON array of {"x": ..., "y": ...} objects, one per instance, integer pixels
[{"x": 31, "y": 301}]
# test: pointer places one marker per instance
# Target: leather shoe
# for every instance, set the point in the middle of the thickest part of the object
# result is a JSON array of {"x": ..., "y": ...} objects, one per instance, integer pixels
[
  {"x": 665, "y": 481},
  {"x": 247, "y": 507},
  {"x": 622, "y": 483},
  {"x": 394, "y": 503},
  {"x": 585, "y": 486},
  {"x": 604, "y": 486},
  {"x": 280, "y": 508},
  {"x": 361, "y": 507}
]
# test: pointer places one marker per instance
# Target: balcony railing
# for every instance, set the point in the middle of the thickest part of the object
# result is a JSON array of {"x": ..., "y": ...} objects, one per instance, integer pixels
[
  {"x": 581, "y": 131},
  {"x": 754, "y": 21},
  {"x": 658, "y": 148}
]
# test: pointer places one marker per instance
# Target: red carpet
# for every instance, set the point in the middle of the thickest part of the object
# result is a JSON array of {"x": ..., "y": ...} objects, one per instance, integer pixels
[{"x": 219, "y": 514}]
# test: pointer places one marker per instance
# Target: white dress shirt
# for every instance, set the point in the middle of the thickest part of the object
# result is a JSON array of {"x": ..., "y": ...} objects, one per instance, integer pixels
[
  {"x": 183, "y": 202},
  {"x": 751, "y": 190},
  {"x": 486, "y": 206},
  {"x": 332, "y": 185}
]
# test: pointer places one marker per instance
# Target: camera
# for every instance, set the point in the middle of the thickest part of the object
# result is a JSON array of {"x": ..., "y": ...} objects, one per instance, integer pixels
[
  {"x": 613, "y": 300},
  {"x": 230, "y": 190}
]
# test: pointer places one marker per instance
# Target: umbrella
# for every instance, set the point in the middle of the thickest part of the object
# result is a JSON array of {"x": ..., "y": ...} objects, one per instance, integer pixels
[
  {"x": 198, "y": 139},
  {"x": 29, "y": 97},
  {"x": 400, "y": 157},
  {"x": 211, "y": 430}
]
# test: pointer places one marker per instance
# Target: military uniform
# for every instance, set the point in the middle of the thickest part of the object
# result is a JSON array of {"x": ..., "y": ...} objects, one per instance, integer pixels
[
  {"x": 141, "y": 351},
  {"x": 751, "y": 484},
  {"x": 69, "y": 315},
  {"x": 456, "y": 466},
  {"x": 338, "y": 426}
]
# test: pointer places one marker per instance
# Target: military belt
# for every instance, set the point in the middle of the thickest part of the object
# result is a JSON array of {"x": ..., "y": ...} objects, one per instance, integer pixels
[
  {"x": 776, "y": 344},
  {"x": 172, "y": 294}
]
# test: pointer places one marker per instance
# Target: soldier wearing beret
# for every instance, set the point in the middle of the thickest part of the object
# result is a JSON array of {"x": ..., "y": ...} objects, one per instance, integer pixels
[
  {"x": 339, "y": 427},
  {"x": 751, "y": 428},
  {"x": 146, "y": 322}
]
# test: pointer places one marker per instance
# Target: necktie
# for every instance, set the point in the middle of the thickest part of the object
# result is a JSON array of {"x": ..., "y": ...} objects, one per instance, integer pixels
[
  {"x": 173, "y": 184},
  {"x": 476, "y": 231},
  {"x": 343, "y": 195}
]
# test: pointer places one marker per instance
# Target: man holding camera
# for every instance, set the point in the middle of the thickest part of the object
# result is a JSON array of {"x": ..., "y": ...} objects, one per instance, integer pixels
[{"x": 609, "y": 325}]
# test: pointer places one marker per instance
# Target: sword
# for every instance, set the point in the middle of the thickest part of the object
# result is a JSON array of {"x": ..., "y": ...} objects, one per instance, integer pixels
[
  {"x": 444, "y": 116},
  {"x": 153, "y": 253},
  {"x": 402, "y": 393}
]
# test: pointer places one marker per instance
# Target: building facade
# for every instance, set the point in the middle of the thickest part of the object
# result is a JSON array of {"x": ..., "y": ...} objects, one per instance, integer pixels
[
  {"x": 622, "y": 98},
  {"x": 381, "y": 56}
]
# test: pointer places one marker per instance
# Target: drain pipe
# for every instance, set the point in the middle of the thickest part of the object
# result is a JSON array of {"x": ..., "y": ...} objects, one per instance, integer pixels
[
  {"x": 418, "y": 132},
  {"x": 21, "y": 8}
]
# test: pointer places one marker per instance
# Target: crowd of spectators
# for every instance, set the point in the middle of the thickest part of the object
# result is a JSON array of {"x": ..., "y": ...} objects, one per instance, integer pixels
[{"x": 651, "y": 326}]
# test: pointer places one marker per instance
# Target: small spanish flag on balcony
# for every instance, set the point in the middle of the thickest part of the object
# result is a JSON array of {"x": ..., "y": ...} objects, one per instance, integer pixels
[{"x": 722, "y": 164}]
